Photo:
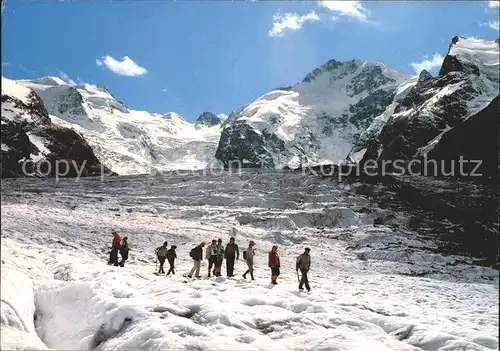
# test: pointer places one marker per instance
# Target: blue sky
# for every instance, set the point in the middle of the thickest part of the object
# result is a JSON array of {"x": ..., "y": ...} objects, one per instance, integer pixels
[{"x": 195, "y": 56}]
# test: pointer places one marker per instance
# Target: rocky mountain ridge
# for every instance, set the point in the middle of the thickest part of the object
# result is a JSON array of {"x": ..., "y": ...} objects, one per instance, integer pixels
[
  {"x": 467, "y": 83},
  {"x": 341, "y": 112},
  {"x": 34, "y": 146},
  {"x": 314, "y": 121},
  {"x": 124, "y": 140}
]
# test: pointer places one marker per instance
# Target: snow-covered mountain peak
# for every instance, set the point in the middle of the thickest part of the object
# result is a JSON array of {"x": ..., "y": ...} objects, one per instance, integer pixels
[
  {"x": 471, "y": 55},
  {"x": 350, "y": 80},
  {"x": 21, "y": 106},
  {"x": 29, "y": 134},
  {"x": 12, "y": 88},
  {"x": 48, "y": 80},
  {"x": 173, "y": 116},
  {"x": 424, "y": 76},
  {"x": 208, "y": 119},
  {"x": 434, "y": 106},
  {"x": 125, "y": 140},
  {"x": 315, "y": 121},
  {"x": 336, "y": 70},
  {"x": 70, "y": 102}
]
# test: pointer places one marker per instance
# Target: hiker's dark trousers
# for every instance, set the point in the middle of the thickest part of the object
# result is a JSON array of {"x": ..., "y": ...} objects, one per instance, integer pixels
[
  {"x": 211, "y": 263},
  {"x": 304, "y": 280},
  {"x": 230, "y": 265},
  {"x": 113, "y": 256},
  {"x": 171, "y": 264}
]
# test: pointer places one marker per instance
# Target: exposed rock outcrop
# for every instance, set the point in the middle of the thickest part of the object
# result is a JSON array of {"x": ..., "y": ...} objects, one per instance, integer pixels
[{"x": 33, "y": 146}]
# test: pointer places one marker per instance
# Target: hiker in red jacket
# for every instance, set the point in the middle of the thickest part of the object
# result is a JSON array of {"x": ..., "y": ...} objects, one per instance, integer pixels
[
  {"x": 274, "y": 264},
  {"x": 115, "y": 246}
]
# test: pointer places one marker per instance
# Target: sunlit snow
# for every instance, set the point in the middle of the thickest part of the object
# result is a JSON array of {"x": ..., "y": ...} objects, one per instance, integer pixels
[
  {"x": 296, "y": 114},
  {"x": 127, "y": 141},
  {"x": 58, "y": 291}
]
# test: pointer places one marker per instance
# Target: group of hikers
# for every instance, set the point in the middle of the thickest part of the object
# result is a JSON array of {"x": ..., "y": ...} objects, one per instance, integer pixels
[{"x": 215, "y": 254}]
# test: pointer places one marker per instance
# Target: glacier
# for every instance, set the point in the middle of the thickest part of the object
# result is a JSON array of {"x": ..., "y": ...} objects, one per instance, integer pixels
[{"x": 377, "y": 287}]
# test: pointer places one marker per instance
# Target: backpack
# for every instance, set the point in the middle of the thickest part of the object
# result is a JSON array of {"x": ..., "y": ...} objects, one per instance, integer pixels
[
  {"x": 161, "y": 251},
  {"x": 244, "y": 255},
  {"x": 191, "y": 253}
]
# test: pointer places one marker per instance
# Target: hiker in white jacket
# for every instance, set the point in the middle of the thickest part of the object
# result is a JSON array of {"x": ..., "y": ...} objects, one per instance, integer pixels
[
  {"x": 210, "y": 256},
  {"x": 248, "y": 256}
]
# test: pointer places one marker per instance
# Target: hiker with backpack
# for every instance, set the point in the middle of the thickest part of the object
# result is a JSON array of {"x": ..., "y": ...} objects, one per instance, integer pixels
[
  {"x": 219, "y": 252},
  {"x": 230, "y": 253},
  {"x": 304, "y": 264},
  {"x": 248, "y": 255},
  {"x": 171, "y": 256},
  {"x": 124, "y": 249},
  {"x": 211, "y": 256},
  {"x": 161, "y": 254},
  {"x": 274, "y": 264},
  {"x": 115, "y": 246},
  {"x": 197, "y": 255}
]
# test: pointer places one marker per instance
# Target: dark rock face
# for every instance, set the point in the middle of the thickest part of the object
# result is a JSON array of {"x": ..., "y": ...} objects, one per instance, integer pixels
[
  {"x": 70, "y": 155},
  {"x": 241, "y": 144},
  {"x": 349, "y": 67},
  {"x": 460, "y": 218},
  {"x": 474, "y": 141},
  {"x": 208, "y": 119},
  {"x": 33, "y": 107},
  {"x": 401, "y": 137},
  {"x": 363, "y": 112},
  {"x": 19, "y": 147},
  {"x": 71, "y": 101},
  {"x": 456, "y": 217},
  {"x": 431, "y": 108},
  {"x": 452, "y": 64},
  {"x": 66, "y": 144},
  {"x": 369, "y": 79}
]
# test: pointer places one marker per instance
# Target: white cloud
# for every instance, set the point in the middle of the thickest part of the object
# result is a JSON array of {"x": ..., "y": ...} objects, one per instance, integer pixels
[
  {"x": 494, "y": 25},
  {"x": 125, "y": 67},
  {"x": 222, "y": 116},
  {"x": 493, "y": 3},
  {"x": 347, "y": 8},
  {"x": 291, "y": 21},
  {"x": 428, "y": 65},
  {"x": 66, "y": 78}
]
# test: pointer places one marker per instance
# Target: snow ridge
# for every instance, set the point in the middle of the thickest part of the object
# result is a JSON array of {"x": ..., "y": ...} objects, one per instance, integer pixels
[
  {"x": 316, "y": 121},
  {"x": 125, "y": 140}
]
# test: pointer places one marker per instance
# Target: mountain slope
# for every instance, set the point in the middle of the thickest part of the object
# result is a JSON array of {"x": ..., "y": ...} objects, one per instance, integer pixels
[
  {"x": 468, "y": 82},
  {"x": 462, "y": 142},
  {"x": 127, "y": 141},
  {"x": 33, "y": 145},
  {"x": 315, "y": 121}
]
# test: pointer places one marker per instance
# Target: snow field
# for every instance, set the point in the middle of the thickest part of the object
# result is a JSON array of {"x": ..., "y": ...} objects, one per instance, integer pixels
[{"x": 62, "y": 294}]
